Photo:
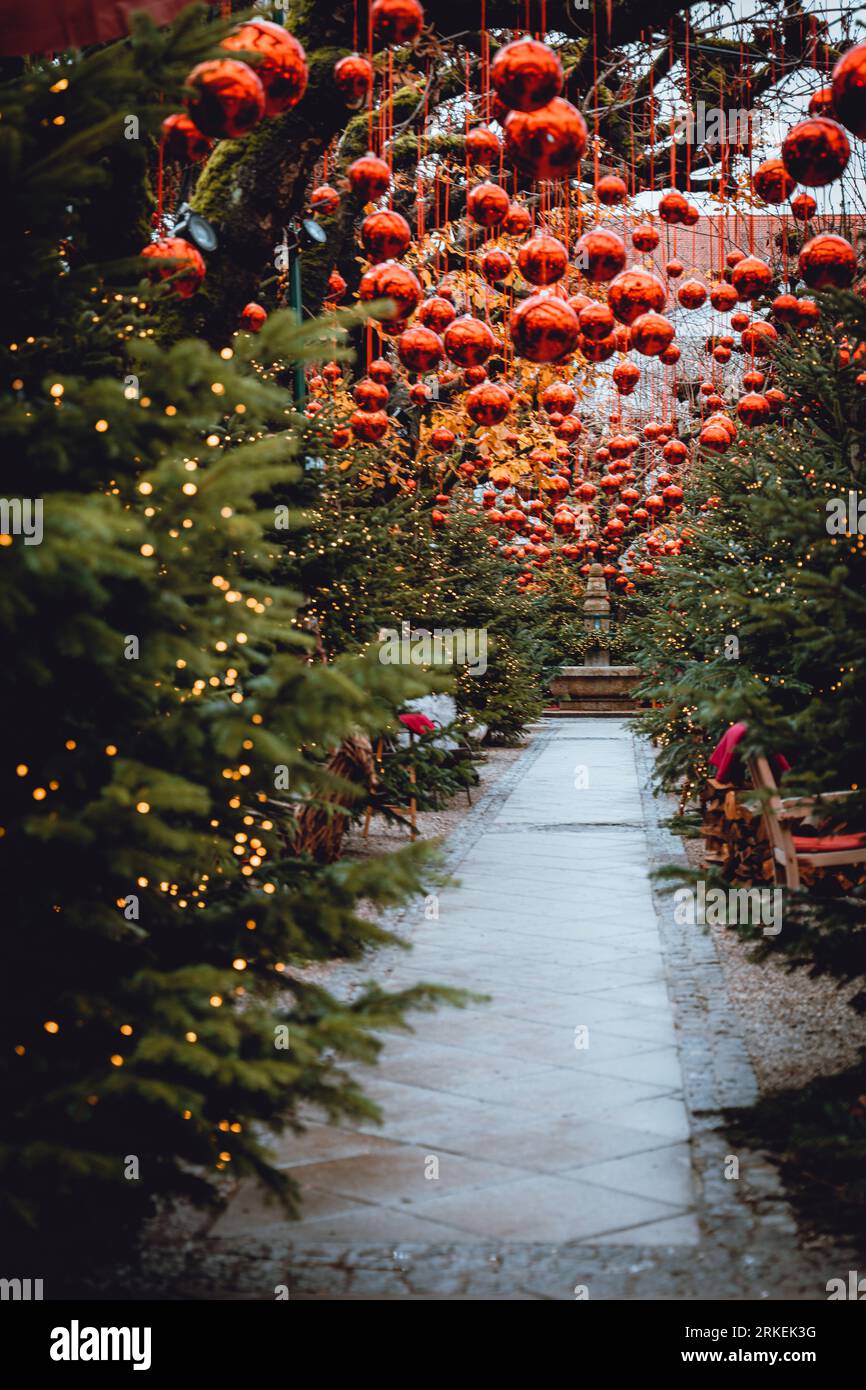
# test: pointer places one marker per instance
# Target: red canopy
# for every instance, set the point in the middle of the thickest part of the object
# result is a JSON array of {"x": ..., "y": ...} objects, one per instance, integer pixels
[{"x": 49, "y": 26}]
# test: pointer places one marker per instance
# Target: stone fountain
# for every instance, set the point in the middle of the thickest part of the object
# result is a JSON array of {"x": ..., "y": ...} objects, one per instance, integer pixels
[{"x": 596, "y": 688}]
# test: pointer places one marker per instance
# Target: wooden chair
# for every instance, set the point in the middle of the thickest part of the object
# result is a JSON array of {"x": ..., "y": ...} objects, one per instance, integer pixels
[
  {"x": 401, "y": 811},
  {"x": 791, "y": 851}
]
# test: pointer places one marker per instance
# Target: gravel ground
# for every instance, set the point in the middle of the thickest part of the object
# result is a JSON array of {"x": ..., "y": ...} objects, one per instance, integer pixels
[{"x": 795, "y": 1029}]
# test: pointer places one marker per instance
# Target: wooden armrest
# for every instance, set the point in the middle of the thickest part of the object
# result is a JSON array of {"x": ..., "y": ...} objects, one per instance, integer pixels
[{"x": 803, "y": 805}]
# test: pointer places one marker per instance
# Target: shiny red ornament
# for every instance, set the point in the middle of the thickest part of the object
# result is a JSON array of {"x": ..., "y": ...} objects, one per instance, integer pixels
[
  {"x": 775, "y": 398},
  {"x": 253, "y": 317},
  {"x": 336, "y": 285},
  {"x": 600, "y": 254},
  {"x": 644, "y": 237},
  {"x": 803, "y": 207},
  {"x": 751, "y": 277},
  {"x": 396, "y": 21},
  {"x": 473, "y": 376},
  {"x": 385, "y": 236},
  {"x": 380, "y": 370},
  {"x": 468, "y": 341},
  {"x": 821, "y": 103},
  {"x": 526, "y": 74},
  {"x": 542, "y": 259},
  {"x": 651, "y": 333},
  {"x": 227, "y": 99},
  {"x": 370, "y": 394},
  {"x": 808, "y": 313},
  {"x": 420, "y": 393},
  {"x": 496, "y": 265},
  {"x": 759, "y": 338},
  {"x": 353, "y": 77},
  {"x": 190, "y": 272},
  {"x": 734, "y": 257},
  {"x": 785, "y": 308},
  {"x": 849, "y": 90},
  {"x": 332, "y": 371},
  {"x": 369, "y": 177},
  {"x": 675, "y": 452},
  {"x": 488, "y": 404},
  {"x": 517, "y": 220},
  {"x": 772, "y": 181},
  {"x": 547, "y": 143},
  {"x": 442, "y": 439},
  {"x": 368, "y": 426},
  {"x": 596, "y": 321},
  {"x": 691, "y": 216},
  {"x": 282, "y": 69},
  {"x": 753, "y": 409},
  {"x": 419, "y": 348},
  {"x": 487, "y": 204},
  {"x": 635, "y": 292},
  {"x": 393, "y": 281},
  {"x": 674, "y": 269},
  {"x": 544, "y": 328},
  {"x": 483, "y": 145},
  {"x": 436, "y": 313},
  {"x": 611, "y": 189},
  {"x": 558, "y": 398},
  {"x": 325, "y": 200},
  {"x": 626, "y": 376},
  {"x": 740, "y": 320},
  {"x": 692, "y": 294},
  {"x": 673, "y": 206},
  {"x": 182, "y": 141},
  {"x": 816, "y": 151},
  {"x": 597, "y": 350},
  {"x": 827, "y": 261}
]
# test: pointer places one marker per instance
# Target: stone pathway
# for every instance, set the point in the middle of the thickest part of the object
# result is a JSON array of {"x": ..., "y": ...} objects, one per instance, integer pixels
[{"x": 567, "y": 1132}]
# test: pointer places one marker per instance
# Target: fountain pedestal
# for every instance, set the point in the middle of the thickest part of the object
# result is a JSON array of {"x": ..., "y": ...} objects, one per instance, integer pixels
[{"x": 596, "y": 687}]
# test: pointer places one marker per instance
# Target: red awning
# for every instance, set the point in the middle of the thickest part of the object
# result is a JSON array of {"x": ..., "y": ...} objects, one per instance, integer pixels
[{"x": 49, "y": 26}]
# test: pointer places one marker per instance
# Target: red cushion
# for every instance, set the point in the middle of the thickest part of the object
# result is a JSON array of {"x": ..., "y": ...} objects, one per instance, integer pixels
[{"x": 827, "y": 844}]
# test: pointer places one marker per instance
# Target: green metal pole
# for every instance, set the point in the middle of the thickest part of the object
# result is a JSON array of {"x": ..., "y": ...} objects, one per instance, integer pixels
[{"x": 299, "y": 388}]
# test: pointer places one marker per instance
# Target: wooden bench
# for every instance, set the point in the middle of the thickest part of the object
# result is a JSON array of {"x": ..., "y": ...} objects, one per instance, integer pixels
[{"x": 791, "y": 851}]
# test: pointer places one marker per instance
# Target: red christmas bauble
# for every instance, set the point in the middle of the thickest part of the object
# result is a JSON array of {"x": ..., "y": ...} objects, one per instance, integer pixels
[
  {"x": 816, "y": 151},
  {"x": 353, "y": 77},
  {"x": 596, "y": 321},
  {"x": 436, "y": 313},
  {"x": 651, "y": 333},
  {"x": 544, "y": 328},
  {"x": 751, "y": 277},
  {"x": 396, "y": 21},
  {"x": 385, "y": 236},
  {"x": 849, "y": 90},
  {"x": 393, "y": 281},
  {"x": 547, "y": 143},
  {"x": 753, "y": 409},
  {"x": 644, "y": 237},
  {"x": 674, "y": 269},
  {"x": 190, "y": 272},
  {"x": 821, "y": 103},
  {"x": 282, "y": 69},
  {"x": 626, "y": 376},
  {"x": 483, "y": 145},
  {"x": 803, "y": 207},
  {"x": 496, "y": 265},
  {"x": 635, "y": 292},
  {"x": 488, "y": 404},
  {"x": 740, "y": 320},
  {"x": 734, "y": 257},
  {"x": 827, "y": 261},
  {"x": 600, "y": 254},
  {"x": 675, "y": 452},
  {"x": 692, "y": 294},
  {"x": 598, "y": 349},
  {"x": 487, "y": 204},
  {"x": 468, "y": 341},
  {"x": 370, "y": 394},
  {"x": 369, "y": 177},
  {"x": 182, "y": 141},
  {"x": 253, "y": 317},
  {"x": 785, "y": 308},
  {"x": 775, "y": 398},
  {"x": 692, "y": 215},
  {"x": 542, "y": 259},
  {"x": 558, "y": 398},
  {"x": 442, "y": 439},
  {"x": 336, "y": 285},
  {"x": 368, "y": 426},
  {"x": 772, "y": 181},
  {"x": 670, "y": 355},
  {"x": 517, "y": 220},
  {"x": 611, "y": 189},
  {"x": 325, "y": 200},
  {"x": 420, "y": 349},
  {"x": 227, "y": 98},
  {"x": 673, "y": 206},
  {"x": 526, "y": 74},
  {"x": 808, "y": 313},
  {"x": 381, "y": 371},
  {"x": 420, "y": 393}
]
